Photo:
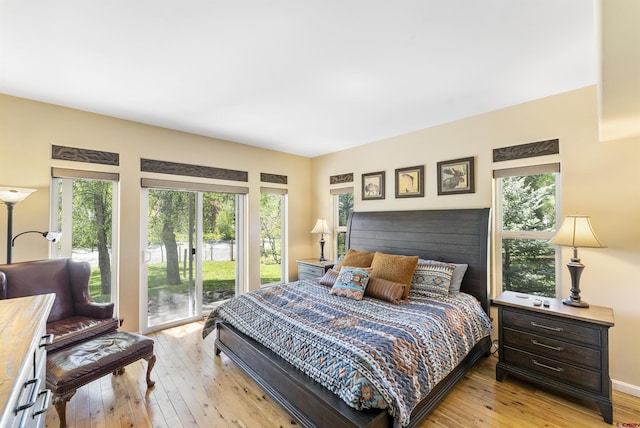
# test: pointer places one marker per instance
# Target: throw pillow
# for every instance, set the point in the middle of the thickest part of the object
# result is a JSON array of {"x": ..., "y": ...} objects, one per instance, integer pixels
[
  {"x": 394, "y": 268},
  {"x": 382, "y": 289},
  {"x": 329, "y": 278},
  {"x": 351, "y": 282},
  {"x": 456, "y": 278},
  {"x": 432, "y": 279},
  {"x": 356, "y": 259}
]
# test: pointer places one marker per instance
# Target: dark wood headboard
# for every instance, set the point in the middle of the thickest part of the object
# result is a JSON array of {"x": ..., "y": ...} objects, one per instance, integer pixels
[{"x": 456, "y": 236}]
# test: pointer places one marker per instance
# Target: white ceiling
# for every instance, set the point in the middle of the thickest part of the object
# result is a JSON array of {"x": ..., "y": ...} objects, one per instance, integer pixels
[{"x": 303, "y": 77}]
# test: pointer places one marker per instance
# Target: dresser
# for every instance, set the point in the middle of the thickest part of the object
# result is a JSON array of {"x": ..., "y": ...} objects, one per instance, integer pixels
[
  {"x": 23, "y": 360},
  {"x": 561, "y": 347},
  {"x": 313, "y": 268}
]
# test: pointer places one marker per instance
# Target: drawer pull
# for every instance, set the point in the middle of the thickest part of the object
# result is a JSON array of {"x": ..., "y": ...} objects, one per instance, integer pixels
[
  {"x": 45, "y": 340},
  {"x": 535, "y": 324},
  {"x": 555, "y": 369},
  {"x": 45, "y": 402},
  {"x": 544, "y": 345},
  {"x": 32, "y": 396}
]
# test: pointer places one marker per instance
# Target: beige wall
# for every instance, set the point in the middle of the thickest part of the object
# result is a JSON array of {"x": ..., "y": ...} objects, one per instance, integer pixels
[
  {"x": 598, "y": 179},
  {"x": 28, "y": 129}
]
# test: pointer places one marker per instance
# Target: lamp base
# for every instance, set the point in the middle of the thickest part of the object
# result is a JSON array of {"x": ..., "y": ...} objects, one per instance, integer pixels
[
  {"x": 322, "y": 259},
  {"x": 576, "y": 303},
  {"x": 575, "y": 270}
]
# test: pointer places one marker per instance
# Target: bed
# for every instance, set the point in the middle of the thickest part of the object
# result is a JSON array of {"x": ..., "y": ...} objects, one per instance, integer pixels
[{"x": 456, "y": 236}]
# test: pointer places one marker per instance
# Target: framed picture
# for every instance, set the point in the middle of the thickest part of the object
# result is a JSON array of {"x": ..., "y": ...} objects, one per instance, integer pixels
[
  {"x": 456, "y": 176},
  {"x": 373, "y": 186},
  {"x": 410, "y": 182}
]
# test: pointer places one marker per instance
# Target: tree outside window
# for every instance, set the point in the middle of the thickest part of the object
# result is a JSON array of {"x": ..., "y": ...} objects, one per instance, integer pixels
[
  {"x": 527, "y": 220},
  {"x": 344, "y": 207},
  {"x": 272, "y": 206},
  {"x": 89, "y": 213}
]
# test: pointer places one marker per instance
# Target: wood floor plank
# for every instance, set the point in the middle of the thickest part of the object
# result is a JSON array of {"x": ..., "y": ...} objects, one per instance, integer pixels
[{"x": 197, "y": 389}]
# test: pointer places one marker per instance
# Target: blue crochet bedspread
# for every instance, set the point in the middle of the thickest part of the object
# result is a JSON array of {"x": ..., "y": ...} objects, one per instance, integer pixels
[{"x": 371, "y": 353}]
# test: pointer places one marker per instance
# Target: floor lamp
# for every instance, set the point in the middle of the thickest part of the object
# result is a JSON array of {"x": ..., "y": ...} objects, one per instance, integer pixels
[{"x": 11, "y": 196}]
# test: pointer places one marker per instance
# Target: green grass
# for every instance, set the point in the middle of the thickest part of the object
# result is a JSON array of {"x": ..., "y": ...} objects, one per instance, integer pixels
[{"x": 217, "y": 276}]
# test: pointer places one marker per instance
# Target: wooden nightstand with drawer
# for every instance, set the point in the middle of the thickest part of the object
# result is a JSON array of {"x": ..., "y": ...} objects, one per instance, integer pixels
[
  {"x": 562, "y": 347},
  {"x": 313, "y": 268}
]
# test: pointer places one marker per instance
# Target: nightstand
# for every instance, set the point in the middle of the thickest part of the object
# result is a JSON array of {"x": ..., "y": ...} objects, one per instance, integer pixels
[
  {"x": 313, "y": 268},
  {"x": 561, "y": 347}
]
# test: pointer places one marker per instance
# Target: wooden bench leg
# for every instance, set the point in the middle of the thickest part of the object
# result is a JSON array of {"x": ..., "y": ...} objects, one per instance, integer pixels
[
  {"x": 60, "y": 401},
  {"x": 151, "y": 361}
]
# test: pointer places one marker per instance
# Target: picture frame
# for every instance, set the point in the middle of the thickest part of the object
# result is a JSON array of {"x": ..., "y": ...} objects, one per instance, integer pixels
[
  {"x": 373, "y": 186},
  {"x": 456, "y": 176},
  {"x": 410, "y": 182}
]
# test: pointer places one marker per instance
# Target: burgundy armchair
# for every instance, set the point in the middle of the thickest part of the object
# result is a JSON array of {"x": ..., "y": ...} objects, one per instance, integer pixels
[{"x": 74, "y": 317}]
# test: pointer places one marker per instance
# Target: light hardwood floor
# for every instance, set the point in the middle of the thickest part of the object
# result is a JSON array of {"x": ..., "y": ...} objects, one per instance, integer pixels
[{"x": 196, "y": 389}]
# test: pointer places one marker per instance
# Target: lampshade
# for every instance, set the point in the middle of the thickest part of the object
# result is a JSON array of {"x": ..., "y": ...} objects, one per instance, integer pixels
[
  {"x": 576, "y": 231},
  {"x": 52, "y": 236},
  {"x": 321, "y": 226},
  {"x": 13, "y": 195}
]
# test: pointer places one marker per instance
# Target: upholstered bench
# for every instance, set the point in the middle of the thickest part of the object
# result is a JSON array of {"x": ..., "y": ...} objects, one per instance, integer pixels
[{"x": 70, "y": 368}]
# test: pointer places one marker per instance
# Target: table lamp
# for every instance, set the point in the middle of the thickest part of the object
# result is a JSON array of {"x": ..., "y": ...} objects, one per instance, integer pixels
[
  {"x": 576, "y": 231},
  {"x": 321, "y": 227}
]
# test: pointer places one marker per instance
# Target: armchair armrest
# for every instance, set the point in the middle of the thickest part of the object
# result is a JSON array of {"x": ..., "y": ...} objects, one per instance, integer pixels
[
  {"x": 3, "y": 285},
  {"x": 95, "y": 310}
]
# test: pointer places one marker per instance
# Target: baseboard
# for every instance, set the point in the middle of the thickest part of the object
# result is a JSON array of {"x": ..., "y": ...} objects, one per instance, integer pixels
[{"x": 627, "y": 388}]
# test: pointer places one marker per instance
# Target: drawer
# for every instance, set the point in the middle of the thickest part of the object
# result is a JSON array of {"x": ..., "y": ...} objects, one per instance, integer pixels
[
  {"x": 566, "y": 373},
  {"x": 549, "y": 325},
  {"x": 24, "y": 402},
  {"x": 551, "y": 348},
  {"x": 307, "y": 271}
]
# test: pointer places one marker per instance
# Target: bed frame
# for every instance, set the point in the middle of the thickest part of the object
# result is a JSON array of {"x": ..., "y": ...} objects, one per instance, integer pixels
[{"x": 458, "y": 236}]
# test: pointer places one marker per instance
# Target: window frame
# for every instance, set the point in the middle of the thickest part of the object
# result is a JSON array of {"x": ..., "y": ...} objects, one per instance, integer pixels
[
  {"x": 67, "y": 177},
  {"x": 337, "y": 228},
  {"x": 501, "y": 234},
  {"x": 284, "y": 208}
]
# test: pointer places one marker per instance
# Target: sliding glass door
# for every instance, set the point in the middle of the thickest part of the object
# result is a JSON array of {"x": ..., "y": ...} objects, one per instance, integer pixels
[
  {"x": 219, "y": 248},
  {"x": 171, "y": 265},
  {"x": 191, "y": 255}
]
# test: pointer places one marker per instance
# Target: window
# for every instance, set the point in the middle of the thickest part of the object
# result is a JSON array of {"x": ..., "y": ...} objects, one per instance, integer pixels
[
  {"x": 272, "y": 235},
  {"x": 84, "y": 207},
  {"x": 343, "y": 206},
  {"x": 527, "y": 208}
]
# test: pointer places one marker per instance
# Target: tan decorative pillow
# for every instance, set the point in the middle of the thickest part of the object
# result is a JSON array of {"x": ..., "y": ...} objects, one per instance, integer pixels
[
  {"x": 329, "y": 278},
  {"x": 385, "y": 290},
  {"x": 356, "y": 259},
  {"x": 394, "y": 268}
]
